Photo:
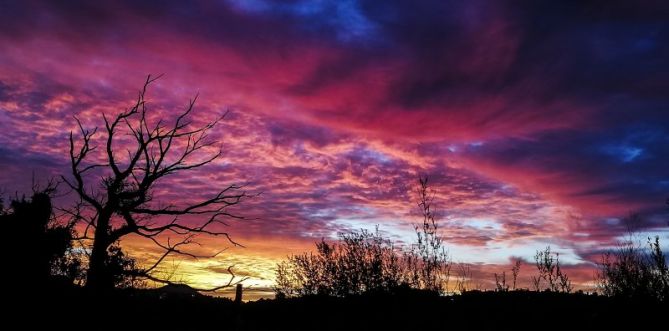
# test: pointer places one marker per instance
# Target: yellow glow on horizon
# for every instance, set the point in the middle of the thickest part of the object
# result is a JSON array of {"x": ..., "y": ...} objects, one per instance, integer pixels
[{"x": 256, "y": 262}]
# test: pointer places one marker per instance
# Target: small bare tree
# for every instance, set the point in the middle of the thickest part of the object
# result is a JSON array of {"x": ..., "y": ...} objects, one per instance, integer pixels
[
  {"x": 515, "y": 270},
  {"x": 464, "y": 278},
  {"x": 500, "y": 282},
  {"x": 429, "y": 250},
  {"x": 126, "y": 201},
  {"x": 550, "y": 272},
  {"x": 500, "y": 279}
]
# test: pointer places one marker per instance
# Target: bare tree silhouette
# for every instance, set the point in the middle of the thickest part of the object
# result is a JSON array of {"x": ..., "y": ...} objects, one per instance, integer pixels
[
  {"x": 123, "y": 204},
  {"x": 515, "y": 270},
  {"x": 550, "y": 272},
  {"x": 429, "y": 255},
  {"x": 464, "y": 278}
]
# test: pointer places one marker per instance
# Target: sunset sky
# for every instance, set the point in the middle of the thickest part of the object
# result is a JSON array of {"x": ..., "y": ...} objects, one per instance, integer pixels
[{"x": 539, "y": 123}]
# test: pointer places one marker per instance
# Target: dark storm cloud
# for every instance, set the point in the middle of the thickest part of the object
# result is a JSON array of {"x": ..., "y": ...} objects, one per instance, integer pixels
[{"x": 624, "y": 166}]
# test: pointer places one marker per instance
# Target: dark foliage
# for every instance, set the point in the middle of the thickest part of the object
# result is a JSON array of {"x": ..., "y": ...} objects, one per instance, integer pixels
[
  {"x": 365, "y": 262},
  {"x": 636, "y": 272},
  {"x": 37, "y": 246},
  {"x": 123, "y": 269},
  {"x": 360, "y": 262}
]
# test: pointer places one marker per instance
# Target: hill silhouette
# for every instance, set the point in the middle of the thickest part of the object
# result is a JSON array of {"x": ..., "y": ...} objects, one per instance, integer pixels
[{"x": 178, "y": 290}]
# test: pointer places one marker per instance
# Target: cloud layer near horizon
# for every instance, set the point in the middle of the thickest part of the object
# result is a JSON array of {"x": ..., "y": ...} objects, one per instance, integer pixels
[{"x": 538, "y": 123}]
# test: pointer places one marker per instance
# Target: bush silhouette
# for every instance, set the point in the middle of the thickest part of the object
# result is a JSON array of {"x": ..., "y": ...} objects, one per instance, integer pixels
[
  {"x": 360, "y": 262},
  {"x": 37, "y": 247},
  {"x": 363, "y": 261},
  {"x": 635, "y": 272},
  {"x": 123, "y": 269}
]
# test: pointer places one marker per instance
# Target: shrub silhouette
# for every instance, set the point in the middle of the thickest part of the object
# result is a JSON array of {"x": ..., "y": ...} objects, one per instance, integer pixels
[
  {"x": 360, "y": 262},
  {"x": 45, "y": 246},
  {"x": 363, "y": 261},
  {"x": 123, "y": 269},
  {"x": 635, "y": 272}
]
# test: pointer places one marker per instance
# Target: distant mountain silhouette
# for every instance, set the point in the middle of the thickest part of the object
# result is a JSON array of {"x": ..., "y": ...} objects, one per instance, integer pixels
[{"x": 178, "y": 290}]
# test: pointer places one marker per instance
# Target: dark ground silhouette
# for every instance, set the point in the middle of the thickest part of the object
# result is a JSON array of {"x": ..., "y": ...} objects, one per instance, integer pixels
[{"x": 67, "y": 306}]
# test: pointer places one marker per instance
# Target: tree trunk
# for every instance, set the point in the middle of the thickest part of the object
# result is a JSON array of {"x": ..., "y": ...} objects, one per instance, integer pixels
[{"x": 98, "y": 277}]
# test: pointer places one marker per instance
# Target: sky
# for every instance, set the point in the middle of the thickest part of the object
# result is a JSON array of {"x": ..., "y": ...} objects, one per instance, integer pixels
[{"x": 538, "y": 122}]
